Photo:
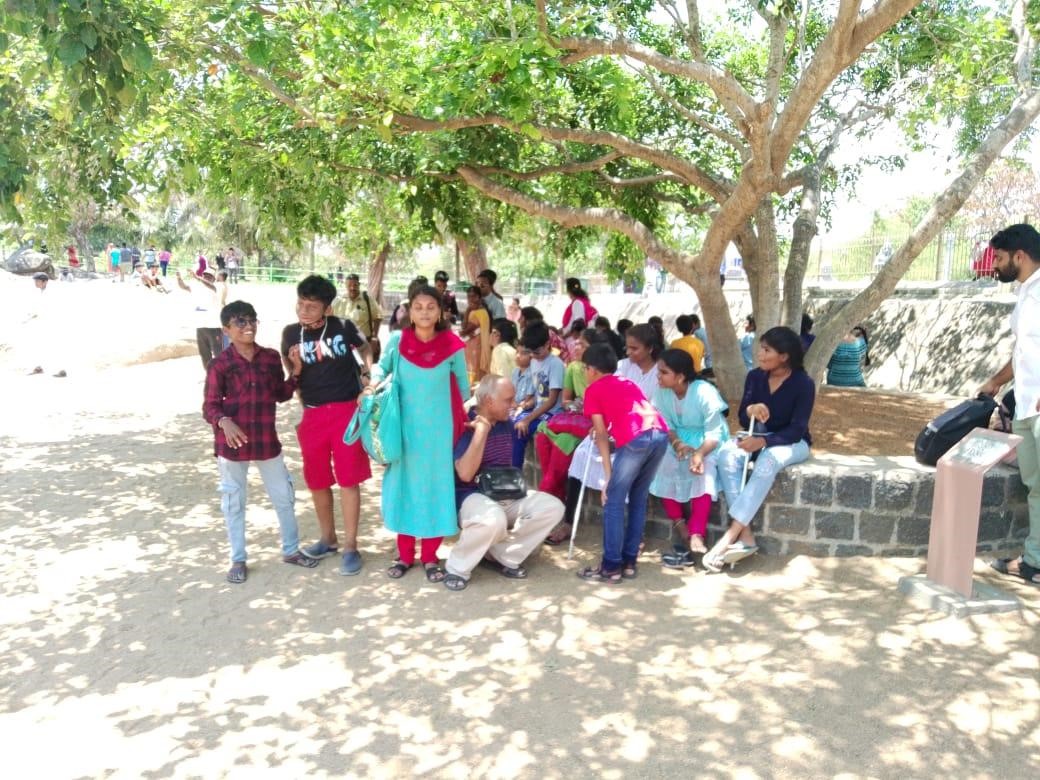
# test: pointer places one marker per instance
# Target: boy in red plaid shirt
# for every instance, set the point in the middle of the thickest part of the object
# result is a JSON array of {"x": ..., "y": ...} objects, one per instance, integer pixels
[{"x": 243, "y": 384}]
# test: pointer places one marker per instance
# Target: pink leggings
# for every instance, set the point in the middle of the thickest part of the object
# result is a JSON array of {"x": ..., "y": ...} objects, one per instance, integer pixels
[
  {"x": 427, "y": 547},
  {"x": 700, "y": 507}
]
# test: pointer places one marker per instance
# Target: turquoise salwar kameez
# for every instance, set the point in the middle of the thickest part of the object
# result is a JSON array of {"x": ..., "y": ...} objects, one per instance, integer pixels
[{"x": 419, "y": 490}]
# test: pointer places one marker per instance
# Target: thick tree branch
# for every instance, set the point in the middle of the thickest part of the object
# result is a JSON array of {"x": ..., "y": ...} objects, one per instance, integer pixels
[
  {"x": 728, "y": 90},
  {"x": 685, "y": 170},
  {"x": 1026, "y": 47},
  {"x": 549, "y": 170},
  {"x": 569, "y": 217},
  {"x": 850, "y": 34},
  {"x": 640, "y": 181},
  {"x": 775, "y": 65},
  {"x": 693, "y": 34},
  {"x": 692, "y": 116}
]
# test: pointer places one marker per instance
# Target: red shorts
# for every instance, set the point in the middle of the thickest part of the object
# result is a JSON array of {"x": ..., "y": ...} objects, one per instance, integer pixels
[{"x": 320, "y": 434}]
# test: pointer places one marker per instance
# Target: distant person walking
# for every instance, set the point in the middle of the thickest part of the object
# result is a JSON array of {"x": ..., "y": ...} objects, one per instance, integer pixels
[
  {"x": 164, "y": 260},
  {"x": 231, "y": 261},
  {"x": 580, "y": 309},
  {"x": 206, "y": 308},
  {"x": 126, "y": 263}
]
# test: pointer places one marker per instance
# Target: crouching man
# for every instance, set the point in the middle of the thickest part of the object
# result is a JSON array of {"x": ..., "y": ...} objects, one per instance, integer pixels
[{"x": 499, "y": 531}]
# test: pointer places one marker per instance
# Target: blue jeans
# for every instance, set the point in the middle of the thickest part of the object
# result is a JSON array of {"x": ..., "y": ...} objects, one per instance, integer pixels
[
  {"x": 520, "y": 442},
  {"x": 233, "y": 502},
  {"x": 743, "y": 504},
  {"x": 634, "y": 468}
]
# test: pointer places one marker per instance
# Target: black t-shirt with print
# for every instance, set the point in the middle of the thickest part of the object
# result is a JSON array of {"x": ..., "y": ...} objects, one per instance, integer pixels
[{"x": 330, "y": 372}]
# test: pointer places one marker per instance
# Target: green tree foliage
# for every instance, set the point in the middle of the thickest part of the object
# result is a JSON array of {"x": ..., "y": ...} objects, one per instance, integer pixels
[{"x": 673, "y": 131}]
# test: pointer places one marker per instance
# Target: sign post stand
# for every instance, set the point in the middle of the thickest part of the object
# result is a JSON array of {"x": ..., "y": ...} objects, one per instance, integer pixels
[{"x": 954, "y": 530}]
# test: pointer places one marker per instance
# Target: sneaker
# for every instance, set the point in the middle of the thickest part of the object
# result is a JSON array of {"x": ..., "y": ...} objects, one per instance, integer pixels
[
  {"x": 319, "y": 550},
  {"x": 299, "y": 559},
  {"x": 677, "y": 560},
  {"x": 351, "y": 563}
]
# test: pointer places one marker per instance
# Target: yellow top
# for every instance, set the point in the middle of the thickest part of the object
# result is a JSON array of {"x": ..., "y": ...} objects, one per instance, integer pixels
[{"x": 694, "y": 346}]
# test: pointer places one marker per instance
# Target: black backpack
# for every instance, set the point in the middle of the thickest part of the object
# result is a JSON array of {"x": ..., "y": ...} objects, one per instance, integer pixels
[{"x": 951, "y": 426}]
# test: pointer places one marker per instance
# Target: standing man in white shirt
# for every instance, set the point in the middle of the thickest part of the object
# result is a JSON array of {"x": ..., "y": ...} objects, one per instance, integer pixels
[{"x": 1017, "y": 258}]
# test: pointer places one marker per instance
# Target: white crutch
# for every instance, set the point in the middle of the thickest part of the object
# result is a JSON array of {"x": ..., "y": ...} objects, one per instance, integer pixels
[
  {"x": 581, "y": 496},
  {"x": 747, "y": 456}
]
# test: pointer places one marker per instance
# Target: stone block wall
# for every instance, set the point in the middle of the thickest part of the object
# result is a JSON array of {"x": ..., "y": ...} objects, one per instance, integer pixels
[{"x": 843, "y": 506}]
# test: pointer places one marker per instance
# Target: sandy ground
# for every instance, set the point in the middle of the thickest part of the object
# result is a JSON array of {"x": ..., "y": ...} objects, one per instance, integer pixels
[{"x": 125, "y": 654}]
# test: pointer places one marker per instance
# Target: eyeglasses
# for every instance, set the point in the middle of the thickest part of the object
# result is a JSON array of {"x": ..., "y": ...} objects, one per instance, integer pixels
[{"x": 242, "y": 322}]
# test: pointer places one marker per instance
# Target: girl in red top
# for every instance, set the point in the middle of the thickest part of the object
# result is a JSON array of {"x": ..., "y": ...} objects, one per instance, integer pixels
[
  {"x": 617, "y": 405},
  {"x": 580, "y": 308}
]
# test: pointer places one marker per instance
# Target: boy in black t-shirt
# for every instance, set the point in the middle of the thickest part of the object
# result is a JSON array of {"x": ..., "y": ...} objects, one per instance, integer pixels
[{"x": 330, "y": 383}]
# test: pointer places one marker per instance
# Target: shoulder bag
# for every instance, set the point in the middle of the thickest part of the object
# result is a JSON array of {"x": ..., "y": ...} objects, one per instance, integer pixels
[
  {"x": 377, "y": 420},
  {"x": 502, "y": 483}
]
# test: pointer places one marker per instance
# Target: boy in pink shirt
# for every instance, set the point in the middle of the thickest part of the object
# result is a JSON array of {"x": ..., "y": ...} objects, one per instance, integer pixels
[{"x": 617, "y": 405}]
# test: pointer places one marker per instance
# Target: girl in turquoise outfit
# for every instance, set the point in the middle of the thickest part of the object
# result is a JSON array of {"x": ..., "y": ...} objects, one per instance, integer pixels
[
  {"x": 418, "y": 499},
  {"x": 685, "y": 480}
]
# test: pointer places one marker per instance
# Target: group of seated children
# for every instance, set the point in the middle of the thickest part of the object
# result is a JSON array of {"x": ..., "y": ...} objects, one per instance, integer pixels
[{"x": 650, "y": 424}]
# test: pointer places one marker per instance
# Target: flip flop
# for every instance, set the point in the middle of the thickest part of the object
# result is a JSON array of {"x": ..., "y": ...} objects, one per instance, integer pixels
[
  {"x": 712, "y": 563},
  {"x": 398, "y": 569},
  {"x": 434, "y": 572},
  {"x": 1026, "y": 573},
  {"x": 735, "y": 554},
  {"x": 596, "y": 574},
  {"x": 237, "y": 573},
  {"x": 455, "y": 582}
]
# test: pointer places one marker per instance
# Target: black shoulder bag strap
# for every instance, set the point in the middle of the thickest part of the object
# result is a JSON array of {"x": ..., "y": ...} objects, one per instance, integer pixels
[{"x": 371, "y": 325}]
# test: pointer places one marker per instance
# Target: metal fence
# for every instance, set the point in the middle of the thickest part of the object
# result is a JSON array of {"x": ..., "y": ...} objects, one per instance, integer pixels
[{"x": 951, "y": 256}]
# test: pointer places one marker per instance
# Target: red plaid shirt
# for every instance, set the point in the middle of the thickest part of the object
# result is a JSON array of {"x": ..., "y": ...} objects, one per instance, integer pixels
[{"x": 246, "y": 391}]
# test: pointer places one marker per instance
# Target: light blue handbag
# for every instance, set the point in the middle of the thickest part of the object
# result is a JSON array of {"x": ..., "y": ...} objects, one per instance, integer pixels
[{"x": 377, "y": 421}]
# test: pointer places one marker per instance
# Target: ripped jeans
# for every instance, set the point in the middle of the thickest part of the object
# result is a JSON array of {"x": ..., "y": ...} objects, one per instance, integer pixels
[
  {"x": 743, "y": 504},
  {"x": 233, "y": 502}
]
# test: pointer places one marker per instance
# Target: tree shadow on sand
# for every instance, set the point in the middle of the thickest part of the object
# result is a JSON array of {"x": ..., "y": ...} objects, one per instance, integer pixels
[{"x": 123, "y": 645}]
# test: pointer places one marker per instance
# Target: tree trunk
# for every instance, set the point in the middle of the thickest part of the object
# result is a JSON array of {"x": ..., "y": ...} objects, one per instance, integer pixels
[
  {"x": 805, "y": 229},
  {"x": 473, "y": 255},
  {"x": 82, "y": 244},
  {"x": 377, "y": 271},
  {"x": 725, "y": 349},
  {"x": 765, "y": 299}
]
